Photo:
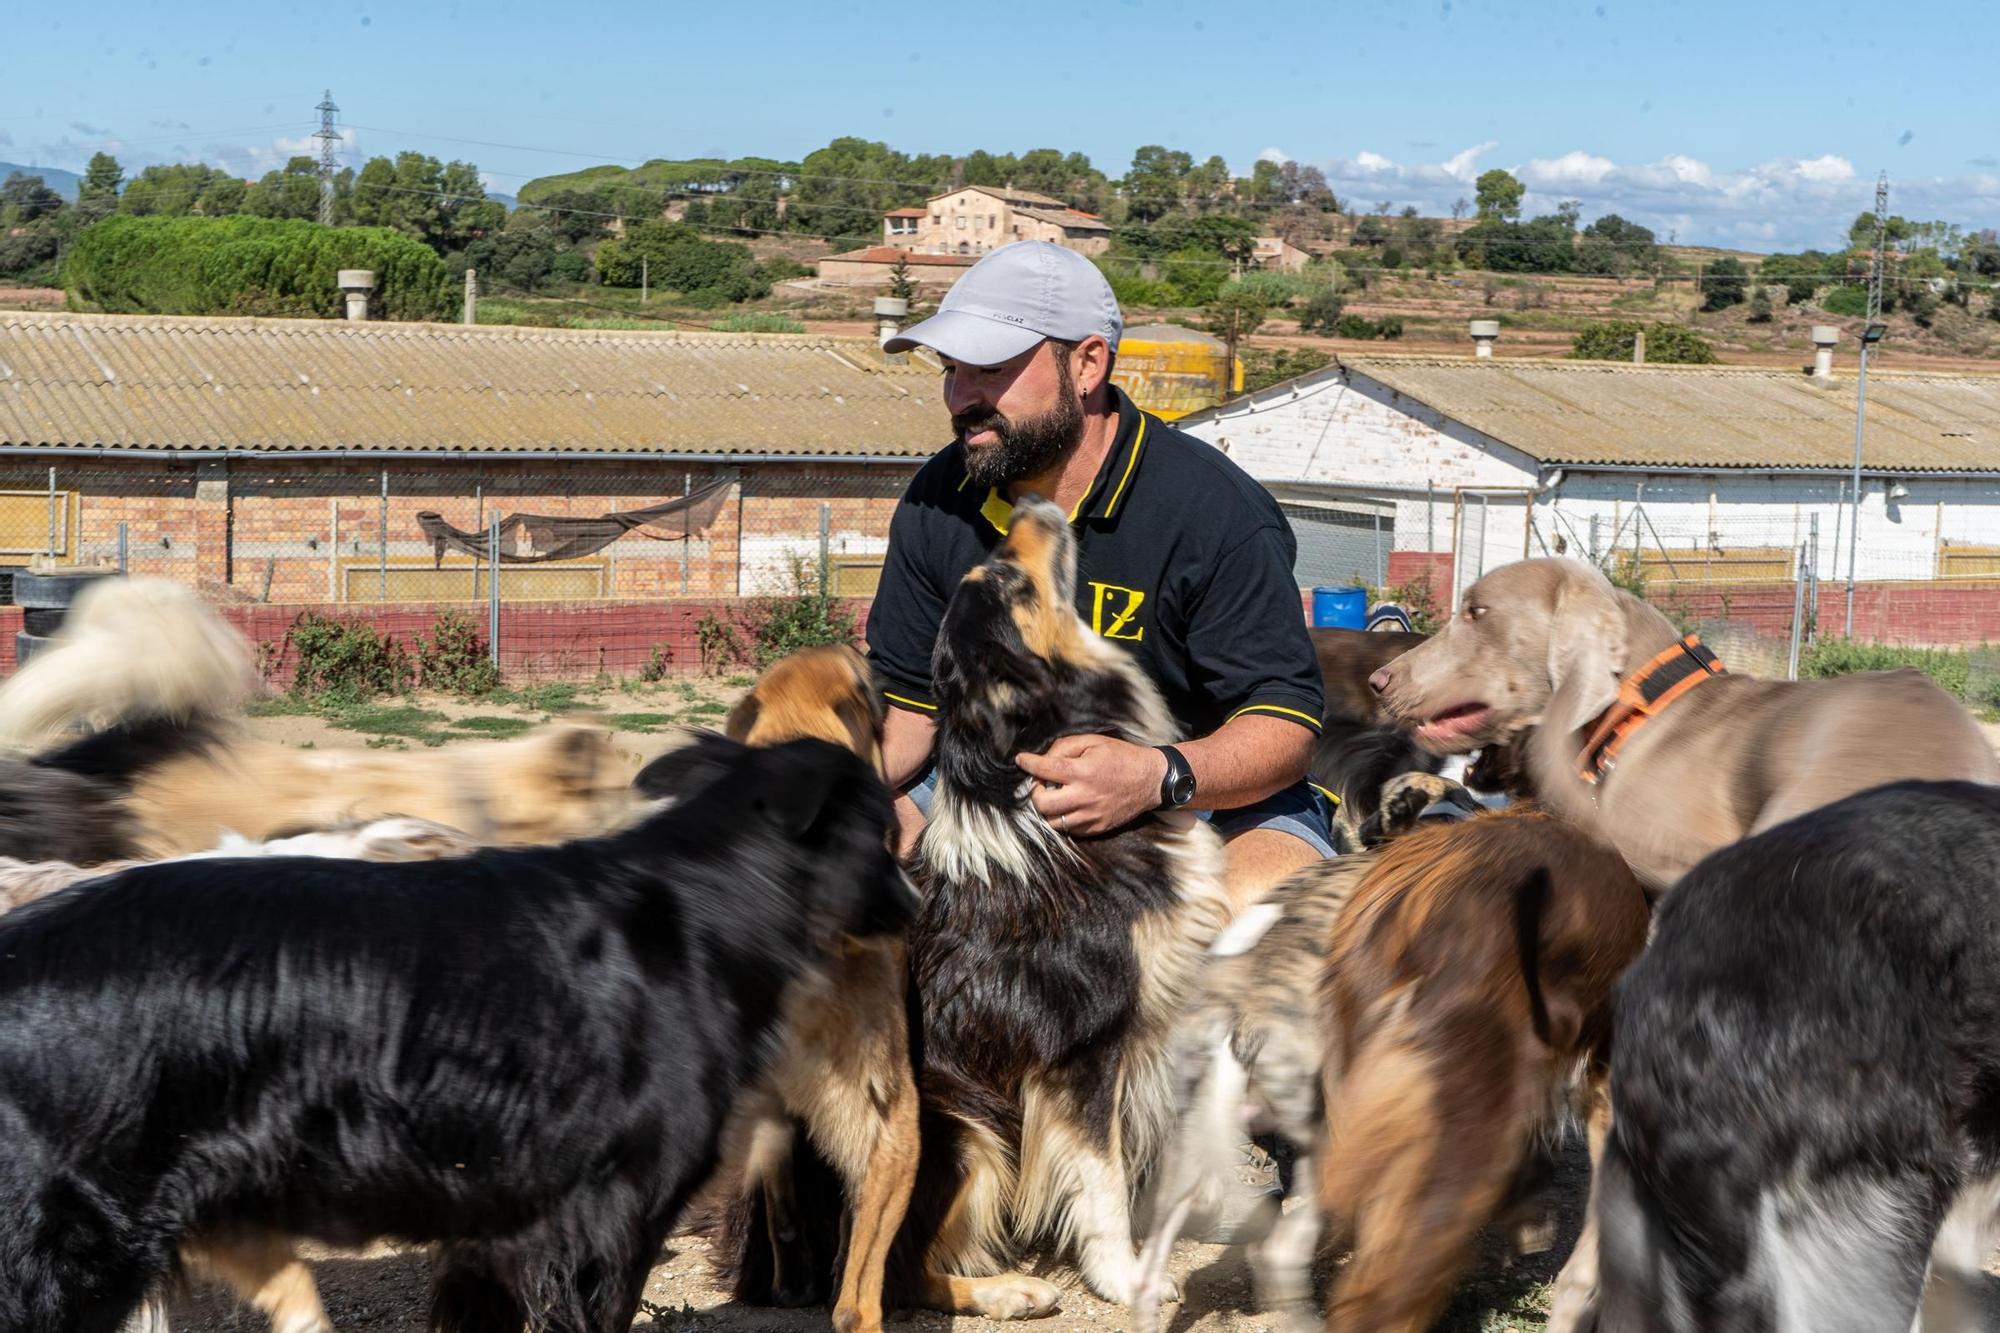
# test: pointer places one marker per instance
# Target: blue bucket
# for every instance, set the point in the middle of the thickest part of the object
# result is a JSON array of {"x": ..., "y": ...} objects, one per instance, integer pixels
[{"x": 1340, "y": 608}]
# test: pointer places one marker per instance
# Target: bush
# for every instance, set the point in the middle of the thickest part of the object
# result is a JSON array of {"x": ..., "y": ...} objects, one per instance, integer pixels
[
  {"x": 1723, "y": 283},
  {"x": 757, "y": 322},
  {"x": 1848, "y": 299},
  {"x": 1760, "y": 306},
  {"x": 1322, "y": 313},
  {"x": 1263, "y": 368},
  {"x": 1667, "y": 344},
  {"x": 674, "y": 258},
  {"x": 1949, "y": 667},
  {"x": 454, "y": 659},
  {"x": 776, "y": 625},
  {"x": 249, "y": 265},
  {"x": 345, "y": 660},
  {"x": 1360, "y": 326}
]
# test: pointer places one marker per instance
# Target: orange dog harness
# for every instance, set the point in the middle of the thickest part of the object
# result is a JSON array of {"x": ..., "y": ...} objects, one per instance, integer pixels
[{"x": 1643, "y": 695}]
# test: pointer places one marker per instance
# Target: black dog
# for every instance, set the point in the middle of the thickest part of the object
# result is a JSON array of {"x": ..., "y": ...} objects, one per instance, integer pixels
[
  {"x": 1806, "y": 1078},
  {"x": 525, "y": 1056}
]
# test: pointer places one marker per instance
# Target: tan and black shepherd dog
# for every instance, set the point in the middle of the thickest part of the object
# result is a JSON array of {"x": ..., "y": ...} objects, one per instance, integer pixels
[
  {"x": 1047, "y": 970},
  {"x": 844, "y": 1070}
]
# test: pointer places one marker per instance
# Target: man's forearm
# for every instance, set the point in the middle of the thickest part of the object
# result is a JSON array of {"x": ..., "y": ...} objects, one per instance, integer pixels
[
  {"x": 1246, "y": 759},
  {"x": 907, "y": 739}
]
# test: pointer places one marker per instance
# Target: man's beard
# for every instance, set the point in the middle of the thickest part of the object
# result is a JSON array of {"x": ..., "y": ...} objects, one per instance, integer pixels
[{"x": 1025, "y": 447}]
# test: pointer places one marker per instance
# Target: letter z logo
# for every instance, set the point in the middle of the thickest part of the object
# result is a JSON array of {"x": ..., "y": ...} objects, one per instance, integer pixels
[{"x": 1113, "y": 610}]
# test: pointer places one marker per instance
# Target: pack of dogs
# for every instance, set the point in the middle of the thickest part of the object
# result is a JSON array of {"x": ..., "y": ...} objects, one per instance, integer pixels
[{"x": 533, "y": 1012}]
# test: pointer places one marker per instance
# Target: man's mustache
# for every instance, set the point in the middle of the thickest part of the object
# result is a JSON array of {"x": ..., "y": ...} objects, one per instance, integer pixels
[{"x": 977, "y": 419}]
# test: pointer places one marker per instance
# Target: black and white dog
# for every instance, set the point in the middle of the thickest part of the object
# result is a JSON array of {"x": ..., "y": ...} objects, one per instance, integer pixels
[
  {"x": 523, "y": 1056},
  {"x": 1806, "y": 1079}
]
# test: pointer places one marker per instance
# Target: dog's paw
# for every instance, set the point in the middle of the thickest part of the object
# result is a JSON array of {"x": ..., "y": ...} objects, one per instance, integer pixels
[{"x": 1017, "y": 1296}]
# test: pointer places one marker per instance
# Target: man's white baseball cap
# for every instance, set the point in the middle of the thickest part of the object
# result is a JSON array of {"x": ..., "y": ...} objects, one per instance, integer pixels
[{"x": 1012, "y": 299}]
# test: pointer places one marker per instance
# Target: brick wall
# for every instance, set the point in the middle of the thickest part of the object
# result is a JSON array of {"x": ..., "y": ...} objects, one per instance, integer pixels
[{"x": 1923, "y": 614}]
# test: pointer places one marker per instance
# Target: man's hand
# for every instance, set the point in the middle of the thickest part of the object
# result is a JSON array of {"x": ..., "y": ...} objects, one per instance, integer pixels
[{"x": 1093, "y": 784}]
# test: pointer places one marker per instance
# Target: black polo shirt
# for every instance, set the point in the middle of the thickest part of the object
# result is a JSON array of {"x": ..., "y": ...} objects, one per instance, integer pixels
[{"x": 1182, "y": 560}]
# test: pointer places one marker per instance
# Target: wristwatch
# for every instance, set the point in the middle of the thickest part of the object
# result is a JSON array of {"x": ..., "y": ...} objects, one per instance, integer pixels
[{"x": 1177, "y": 787}]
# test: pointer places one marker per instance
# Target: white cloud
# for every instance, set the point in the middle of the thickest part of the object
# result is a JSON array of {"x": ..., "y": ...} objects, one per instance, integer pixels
[
  {"x": 1784, "y": 202},
  {"x": 1571, "y": 169},
  {"x": 1465, "y": 165},
  {"x": 1274, "y": 155}
]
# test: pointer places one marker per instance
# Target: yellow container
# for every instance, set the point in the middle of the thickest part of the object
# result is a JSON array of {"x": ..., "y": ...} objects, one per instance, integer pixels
[{"x": 1171, "y": 371}]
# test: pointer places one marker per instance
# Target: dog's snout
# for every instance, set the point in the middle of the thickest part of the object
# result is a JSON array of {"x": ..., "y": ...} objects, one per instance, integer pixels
[{"x": 1379, "y": 681}]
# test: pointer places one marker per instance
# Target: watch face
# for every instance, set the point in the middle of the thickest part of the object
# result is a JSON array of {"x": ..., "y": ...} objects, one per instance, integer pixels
[{"x": 1183, "y": 789}]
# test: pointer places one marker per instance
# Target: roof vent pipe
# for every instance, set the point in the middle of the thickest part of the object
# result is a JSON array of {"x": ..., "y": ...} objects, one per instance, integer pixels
[
  {"x": 1824, "y": 336},
  {"x": 1484, "y": 331},
  {"x": 355, "y": 284}
]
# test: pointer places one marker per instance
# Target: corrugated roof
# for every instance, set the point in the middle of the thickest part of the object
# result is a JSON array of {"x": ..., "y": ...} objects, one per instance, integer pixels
[
  {"x": 1608, "y": 412},
  {"x": 889, "y": 254},
  {"x": 158, "y": 382}
]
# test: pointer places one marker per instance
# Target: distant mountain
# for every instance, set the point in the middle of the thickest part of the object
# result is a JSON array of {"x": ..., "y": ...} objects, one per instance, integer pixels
[
  {"x": 509, "y": 200},
  {"x": 62, "y": 182}
]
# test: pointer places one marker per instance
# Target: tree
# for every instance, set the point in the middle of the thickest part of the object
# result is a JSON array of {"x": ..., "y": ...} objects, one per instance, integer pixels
[
  {"x": 173, "y": 190},
  {"x": 1723, "y": 284},
  {"x": 97, "y": 193},
  {"x": 1760, "y": 305},
  {"x": 1458, "y": 209},
  {"x": 1569, "y": 212},
  {"x": 673, "y": 257},
  {"x": 1667, "y": 343},
  {"x": 900, "y": 284},
  {"x": 24, "y": 198},
  {"x": 1235, "y": 314},
  {"x": 292, "y": 192},
  {"x": 1321, "y": 313},
  {"x": 1498, "y": 195},
  {"x": 1153, "y": 185}
]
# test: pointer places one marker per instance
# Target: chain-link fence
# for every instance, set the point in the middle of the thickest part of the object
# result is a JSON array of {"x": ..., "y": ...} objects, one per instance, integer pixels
[
  {"x": 601, "y": 569},
  {"x": 662, "y": 566}
]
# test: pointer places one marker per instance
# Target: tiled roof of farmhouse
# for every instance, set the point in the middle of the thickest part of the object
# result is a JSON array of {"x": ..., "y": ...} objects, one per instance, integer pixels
[{"x": 159, "y": 382}]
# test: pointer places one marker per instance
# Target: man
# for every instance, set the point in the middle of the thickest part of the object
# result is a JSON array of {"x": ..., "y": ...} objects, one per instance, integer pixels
[{"x": 1183, "y": 560}]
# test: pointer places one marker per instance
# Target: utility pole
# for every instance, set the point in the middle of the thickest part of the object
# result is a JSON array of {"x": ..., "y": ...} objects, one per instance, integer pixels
[
  {"x": 645, "y": 278},
  {"x": 471, "y": 296},
  {"x": 328, "y": 137},
  {"x": 1871, "y": 333}
]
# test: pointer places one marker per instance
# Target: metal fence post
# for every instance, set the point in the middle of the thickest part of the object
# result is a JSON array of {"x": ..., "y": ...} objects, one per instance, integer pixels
[
  {"x": 124, "y": 547},
  {"x": 1798, "y": 614},
  {"x": 825, "y": 552},
  {"x": 1379, "y": 576},
  {"x": 382, "y": 545},
  {"x": 493, "y": 590},
  {"x": 50, "y": 549}
]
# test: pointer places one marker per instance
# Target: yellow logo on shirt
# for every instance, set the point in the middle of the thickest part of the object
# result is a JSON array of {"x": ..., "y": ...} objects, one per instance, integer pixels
[{"x": 1121, "y": 606}]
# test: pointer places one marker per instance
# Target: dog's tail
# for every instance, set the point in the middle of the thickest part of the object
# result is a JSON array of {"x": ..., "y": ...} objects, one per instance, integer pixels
[{"x": 131, "y": 650}]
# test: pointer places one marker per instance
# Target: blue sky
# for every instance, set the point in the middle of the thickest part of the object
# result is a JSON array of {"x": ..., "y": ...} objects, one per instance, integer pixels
[{"x": 1721, "y": 123}]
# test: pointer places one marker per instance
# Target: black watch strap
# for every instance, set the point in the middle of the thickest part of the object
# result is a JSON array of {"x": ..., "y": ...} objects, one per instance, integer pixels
[{"x": 1177, "y": 787}]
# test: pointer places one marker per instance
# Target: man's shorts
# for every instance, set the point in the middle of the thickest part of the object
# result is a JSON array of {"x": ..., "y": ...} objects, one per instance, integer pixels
[{"x": 1302, "y": 810}]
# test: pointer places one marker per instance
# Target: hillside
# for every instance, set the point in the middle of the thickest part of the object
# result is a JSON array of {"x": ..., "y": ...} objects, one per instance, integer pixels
[{"x": 62, "y": 182}]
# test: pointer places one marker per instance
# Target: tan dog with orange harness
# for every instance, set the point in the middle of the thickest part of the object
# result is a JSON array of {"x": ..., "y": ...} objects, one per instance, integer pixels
[{"x": 1644, "y": 737}]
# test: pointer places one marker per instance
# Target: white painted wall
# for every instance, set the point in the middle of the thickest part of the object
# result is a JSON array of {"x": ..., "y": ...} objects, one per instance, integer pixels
[{"x": 1362, "y": 438}]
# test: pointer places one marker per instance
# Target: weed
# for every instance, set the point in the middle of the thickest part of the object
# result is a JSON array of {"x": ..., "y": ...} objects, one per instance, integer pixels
[
  {"x": 657, "y": 665},
  {"x": 556, "y": 696},
  {"x": 642, "y": 722},
  {"x": 717, "y": 641},
  {"x": 454, "y": 660},
  {"x": 491, "y": 724},
  {"x": 707, "y": 708},
  {"x": 687, "y": 691},
  {"x": 740, "y": 682},
  {"x": 346, "y": 659},
  {"x": 398, "y": 721}
]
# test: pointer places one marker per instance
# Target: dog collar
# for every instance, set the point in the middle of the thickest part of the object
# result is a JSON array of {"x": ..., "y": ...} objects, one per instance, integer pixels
[{"x": 1642, "y": 695}]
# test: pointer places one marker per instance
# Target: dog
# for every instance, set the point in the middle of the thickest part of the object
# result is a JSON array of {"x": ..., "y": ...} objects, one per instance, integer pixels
[
  {"x": 1806, "y": 1079},
  {"x": 1643, "y": 736},
  {"x": 523, "y": 1057},
  {"x": 1047, "y": 970},
  {"x": 154, "y": 677},
  {"x": 262, "y": 1270},
  {"x": 1465, "y": 1005},
  {"x": 844, "y": 1071},
  {"x": 1348, "y": 658},
  {"x": 1248, "y": 1058}
]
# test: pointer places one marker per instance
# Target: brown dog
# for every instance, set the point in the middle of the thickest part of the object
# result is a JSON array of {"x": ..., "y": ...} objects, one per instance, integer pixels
[
  {"x": 845, "y": 1068},
  {"x": 1465, "y": 1005},
  {"x": 1666, "y": 780},
  {"x": 1347, "y": 658}
]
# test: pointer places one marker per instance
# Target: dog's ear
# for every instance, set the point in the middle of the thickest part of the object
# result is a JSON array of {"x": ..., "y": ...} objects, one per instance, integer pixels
[
  {"x": 691, "y": 769},
  {"x": 1587, "y": 650}
]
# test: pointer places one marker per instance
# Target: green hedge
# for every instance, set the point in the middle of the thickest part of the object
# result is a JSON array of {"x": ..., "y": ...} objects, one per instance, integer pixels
[{"x": 249, "y": 266}]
